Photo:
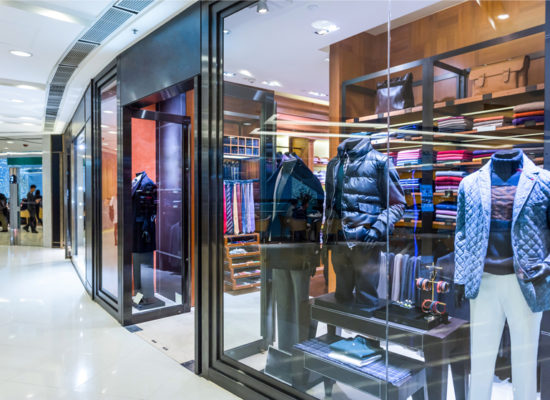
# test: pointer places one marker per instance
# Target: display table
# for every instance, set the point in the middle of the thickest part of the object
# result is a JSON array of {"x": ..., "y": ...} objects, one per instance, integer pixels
[{"x": 444, "y": 345}]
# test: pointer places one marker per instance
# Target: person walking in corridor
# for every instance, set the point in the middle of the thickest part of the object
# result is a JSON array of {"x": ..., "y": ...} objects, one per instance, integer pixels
[
  {"x": 31, "y": 207},
  {"x": 3, "y": 212}
]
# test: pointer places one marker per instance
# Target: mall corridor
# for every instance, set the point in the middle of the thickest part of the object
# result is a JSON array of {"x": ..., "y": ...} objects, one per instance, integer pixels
[{"x": 56, "y": 343}]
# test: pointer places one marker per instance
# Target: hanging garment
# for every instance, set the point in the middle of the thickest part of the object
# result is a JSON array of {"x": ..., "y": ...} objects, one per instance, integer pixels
[
  {"x": 229, "y": 208},
  {"x": 237, "y": 230}
]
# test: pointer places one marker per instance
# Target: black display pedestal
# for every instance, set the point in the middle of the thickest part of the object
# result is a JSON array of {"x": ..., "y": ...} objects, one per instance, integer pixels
[{"x": 149, "y": 303}]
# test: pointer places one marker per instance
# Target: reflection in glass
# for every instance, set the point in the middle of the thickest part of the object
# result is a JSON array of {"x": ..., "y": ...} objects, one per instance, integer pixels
[
  {"x": 109, "y": 189},
  {"x": 78, "y": 198}
]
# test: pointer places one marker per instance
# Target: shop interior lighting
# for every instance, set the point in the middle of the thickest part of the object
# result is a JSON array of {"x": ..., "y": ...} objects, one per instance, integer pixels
[
  {"x": 59, "y": 16},
  {"x": 318, "y": 94},
  {"x": 262, "y": 7},
  {"x": 502, "y": 17},
  {"x": 246, "y": 73},
  {"x": 28, "y": 124},
  {"x": 16, "y": 101},
  {"x": 324, "y": 27},
  {"x": 108, "y": 112},
  {"x": 229, "y": 74},
  {"x": 20, "y": 53},
  {"x": 272, "y": 83},
  {"x": 226, "y": 32}
]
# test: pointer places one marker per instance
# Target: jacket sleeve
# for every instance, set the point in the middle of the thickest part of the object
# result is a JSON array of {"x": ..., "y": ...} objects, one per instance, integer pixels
[
  {"x": 460, "y": 236},
  {"x": 327, "y": 206},
  {"x": 388, "y": 182}
]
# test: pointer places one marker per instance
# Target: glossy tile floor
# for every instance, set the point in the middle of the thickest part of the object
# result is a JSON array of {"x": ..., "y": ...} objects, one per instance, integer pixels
[{"x": 55, "y": 343}]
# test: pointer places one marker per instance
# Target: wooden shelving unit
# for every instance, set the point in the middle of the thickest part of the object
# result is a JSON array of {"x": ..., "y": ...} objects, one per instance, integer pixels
[
  {"x": 241, "y": 146},
  {"x": 242, "y": 269}
]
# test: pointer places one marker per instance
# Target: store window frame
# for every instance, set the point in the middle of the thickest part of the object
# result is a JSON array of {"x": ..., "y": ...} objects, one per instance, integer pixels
[
  {"x": 105, "y": 299},
  {"x": 129, "y": 112},
  {"x": 242, "y": 380},
  {"x": 72, "y": 229}
]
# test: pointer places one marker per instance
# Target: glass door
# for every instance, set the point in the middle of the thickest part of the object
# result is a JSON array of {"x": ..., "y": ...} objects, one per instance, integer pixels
[{"x": 158, "y": 273}]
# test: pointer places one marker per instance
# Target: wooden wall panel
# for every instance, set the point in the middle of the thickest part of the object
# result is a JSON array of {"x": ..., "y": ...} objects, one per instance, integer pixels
[{"x": 449, "y": 29}]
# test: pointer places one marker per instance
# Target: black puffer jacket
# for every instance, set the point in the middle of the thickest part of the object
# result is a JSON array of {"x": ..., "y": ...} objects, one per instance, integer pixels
[{"x": 367, "y": 181}]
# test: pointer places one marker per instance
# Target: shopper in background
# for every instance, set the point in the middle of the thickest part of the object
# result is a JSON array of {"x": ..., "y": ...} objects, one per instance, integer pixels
[
  {"x": 3, "y": 212},
  {"x": 38, "y": 201},
  {"x": 31, "y": 207}
]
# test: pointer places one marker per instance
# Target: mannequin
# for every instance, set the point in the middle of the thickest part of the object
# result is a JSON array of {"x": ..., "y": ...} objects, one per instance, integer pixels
[
  {"x": 502, "y": 266},
  {"x": 356, "y": 217},
  {"x": 144, "y": 208}
]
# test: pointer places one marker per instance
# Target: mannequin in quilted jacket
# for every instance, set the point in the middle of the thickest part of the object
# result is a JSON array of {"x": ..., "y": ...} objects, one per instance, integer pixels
[{"x": 502, "y": 255}]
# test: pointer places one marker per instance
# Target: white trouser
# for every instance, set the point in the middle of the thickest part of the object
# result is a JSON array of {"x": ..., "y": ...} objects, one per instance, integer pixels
[{"x": 499, "y": 300}]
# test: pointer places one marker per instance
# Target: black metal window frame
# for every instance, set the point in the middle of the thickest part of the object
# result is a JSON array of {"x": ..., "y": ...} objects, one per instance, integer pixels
[{"x": 109, "y": 302}]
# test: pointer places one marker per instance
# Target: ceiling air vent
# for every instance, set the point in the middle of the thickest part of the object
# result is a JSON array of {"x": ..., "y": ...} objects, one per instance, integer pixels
[
  {"x": 108, "y": 23},
  {"x": 78, "y": 52},
  {"x": 133, "y": 5}
]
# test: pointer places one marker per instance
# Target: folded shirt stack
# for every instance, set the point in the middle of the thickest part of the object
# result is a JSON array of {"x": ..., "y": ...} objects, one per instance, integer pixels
[
  {"x": 488, "y": 123},
  {"x": 453, "y": 155},
  {"x": 406, "y": 135},
  {"x": 357, "y": 351},
  {"x": 455, "y": 124},
  {"x": 532, "y": 150},
  {"x": 529, "y": 113},
  {"x": 445, "y": 212},
  {"x": 409, "y": 157},
  {"x": 410, "y": 184},
  {"x": 411, "y": 214},
  {"x": 478, "y": 155},
  {"x": 448, "y": 180}
]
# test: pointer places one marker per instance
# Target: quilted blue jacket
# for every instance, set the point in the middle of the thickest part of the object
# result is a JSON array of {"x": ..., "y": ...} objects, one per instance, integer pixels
[{"x": 530, "y": 230}]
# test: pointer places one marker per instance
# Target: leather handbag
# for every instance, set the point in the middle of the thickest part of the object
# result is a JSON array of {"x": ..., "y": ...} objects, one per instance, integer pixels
[
  {"x": 400, "y": 94},
  {"x": 503, "y": 75}
]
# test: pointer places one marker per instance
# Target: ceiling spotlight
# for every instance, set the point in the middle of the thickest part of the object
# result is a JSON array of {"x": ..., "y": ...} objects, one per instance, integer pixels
[
  {"x": 262, "y": 7},
  {"x": 104, "y": 126},
  {"x": 9, "y": 142},
  {"x": 229, "y": 74},
  {"x": 28, "y": 118},
  {"x": 272, "y": 83},
  {"x": 20, "y": 53},
  {"x": 324, "y": 27},
  {"x": 28, "y": 124},
  {"x": 502, "y": 17},
  {"x": 16, "y": 101},
  {"x": 327, "y": 59},
  {"x": 246, "y": 73},
  {"x": 56, "y": 15},
  {"x": 226, "y": 32},
  {"x": 108, "y": 112},
  {"x": 112, "y": 132},
  {"x": 27, "y": 87}
]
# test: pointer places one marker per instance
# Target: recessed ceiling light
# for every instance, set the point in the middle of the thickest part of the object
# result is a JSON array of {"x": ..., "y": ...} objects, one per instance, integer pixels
[
  {"x": 108, "y": 112},
  {"x": 20, "y": 53},
  {"x": 503, "y": 16},
  {"x": 226, "y": 32},
  {"x": 27, "y": 87},
  {"x": 272, "y": 83},
  {"x": 28, "y": 124},
  {"x": 104, "y": 126},
  {"x": 229, "y": 74},
  {"x": 9, "y": 142},
  {"x": 6, "y": 148},
  {"x": 247, "y": 123},
  {"x": 246, "y": 73},
  {"x": 327, "y": 59},
  {"x": 324, "y": 27},
  {"x": 262, "y": 7},
  {"x": 28, "y": 118},
  {"x": 112, "y": 132},
  {"x": 16, "y": 101},
  {"x": 57, "y": 15}
]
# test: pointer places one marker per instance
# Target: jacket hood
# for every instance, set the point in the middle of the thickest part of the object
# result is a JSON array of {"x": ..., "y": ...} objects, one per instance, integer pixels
[{"x": 354, "y": 147}]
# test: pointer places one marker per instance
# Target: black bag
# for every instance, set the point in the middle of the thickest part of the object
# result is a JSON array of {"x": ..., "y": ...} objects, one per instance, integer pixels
[{"x": 400, "y": 94}]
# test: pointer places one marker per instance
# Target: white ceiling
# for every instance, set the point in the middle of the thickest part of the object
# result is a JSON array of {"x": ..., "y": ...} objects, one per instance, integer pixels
[
  {"x": 282, "y": 45},
  {"x": 24, "y": 27}
]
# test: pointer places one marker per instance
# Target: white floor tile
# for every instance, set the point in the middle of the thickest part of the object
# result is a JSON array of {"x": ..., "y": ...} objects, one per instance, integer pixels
[{"x": 55, "y": 343}]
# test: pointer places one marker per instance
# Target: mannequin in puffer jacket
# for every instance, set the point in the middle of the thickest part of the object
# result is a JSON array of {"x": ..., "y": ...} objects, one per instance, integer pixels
[
  {"x": 358, "y": 182},
  {"x": 502, "y": 254}
]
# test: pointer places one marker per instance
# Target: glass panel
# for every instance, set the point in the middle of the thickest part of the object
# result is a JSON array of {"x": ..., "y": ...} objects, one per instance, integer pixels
[
  {"x": 307, "y": 203},
  {"x": 470, "y": 198},
  {"x": 79, "y": 214},
  {"x": 109, "y": 189},
  {"x": 159, "y": 221}
]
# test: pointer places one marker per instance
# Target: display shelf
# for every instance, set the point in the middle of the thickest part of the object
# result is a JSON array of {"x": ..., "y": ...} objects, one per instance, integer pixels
[
  {"x": 235, "y": 269},
  {"x": 507, "y": 130},
  {"x": 408, "y": 224},
  {"x": 451, "y": 194},
  {"x": 443, "y": 225},
  {"x": 460, "y": 106}
]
